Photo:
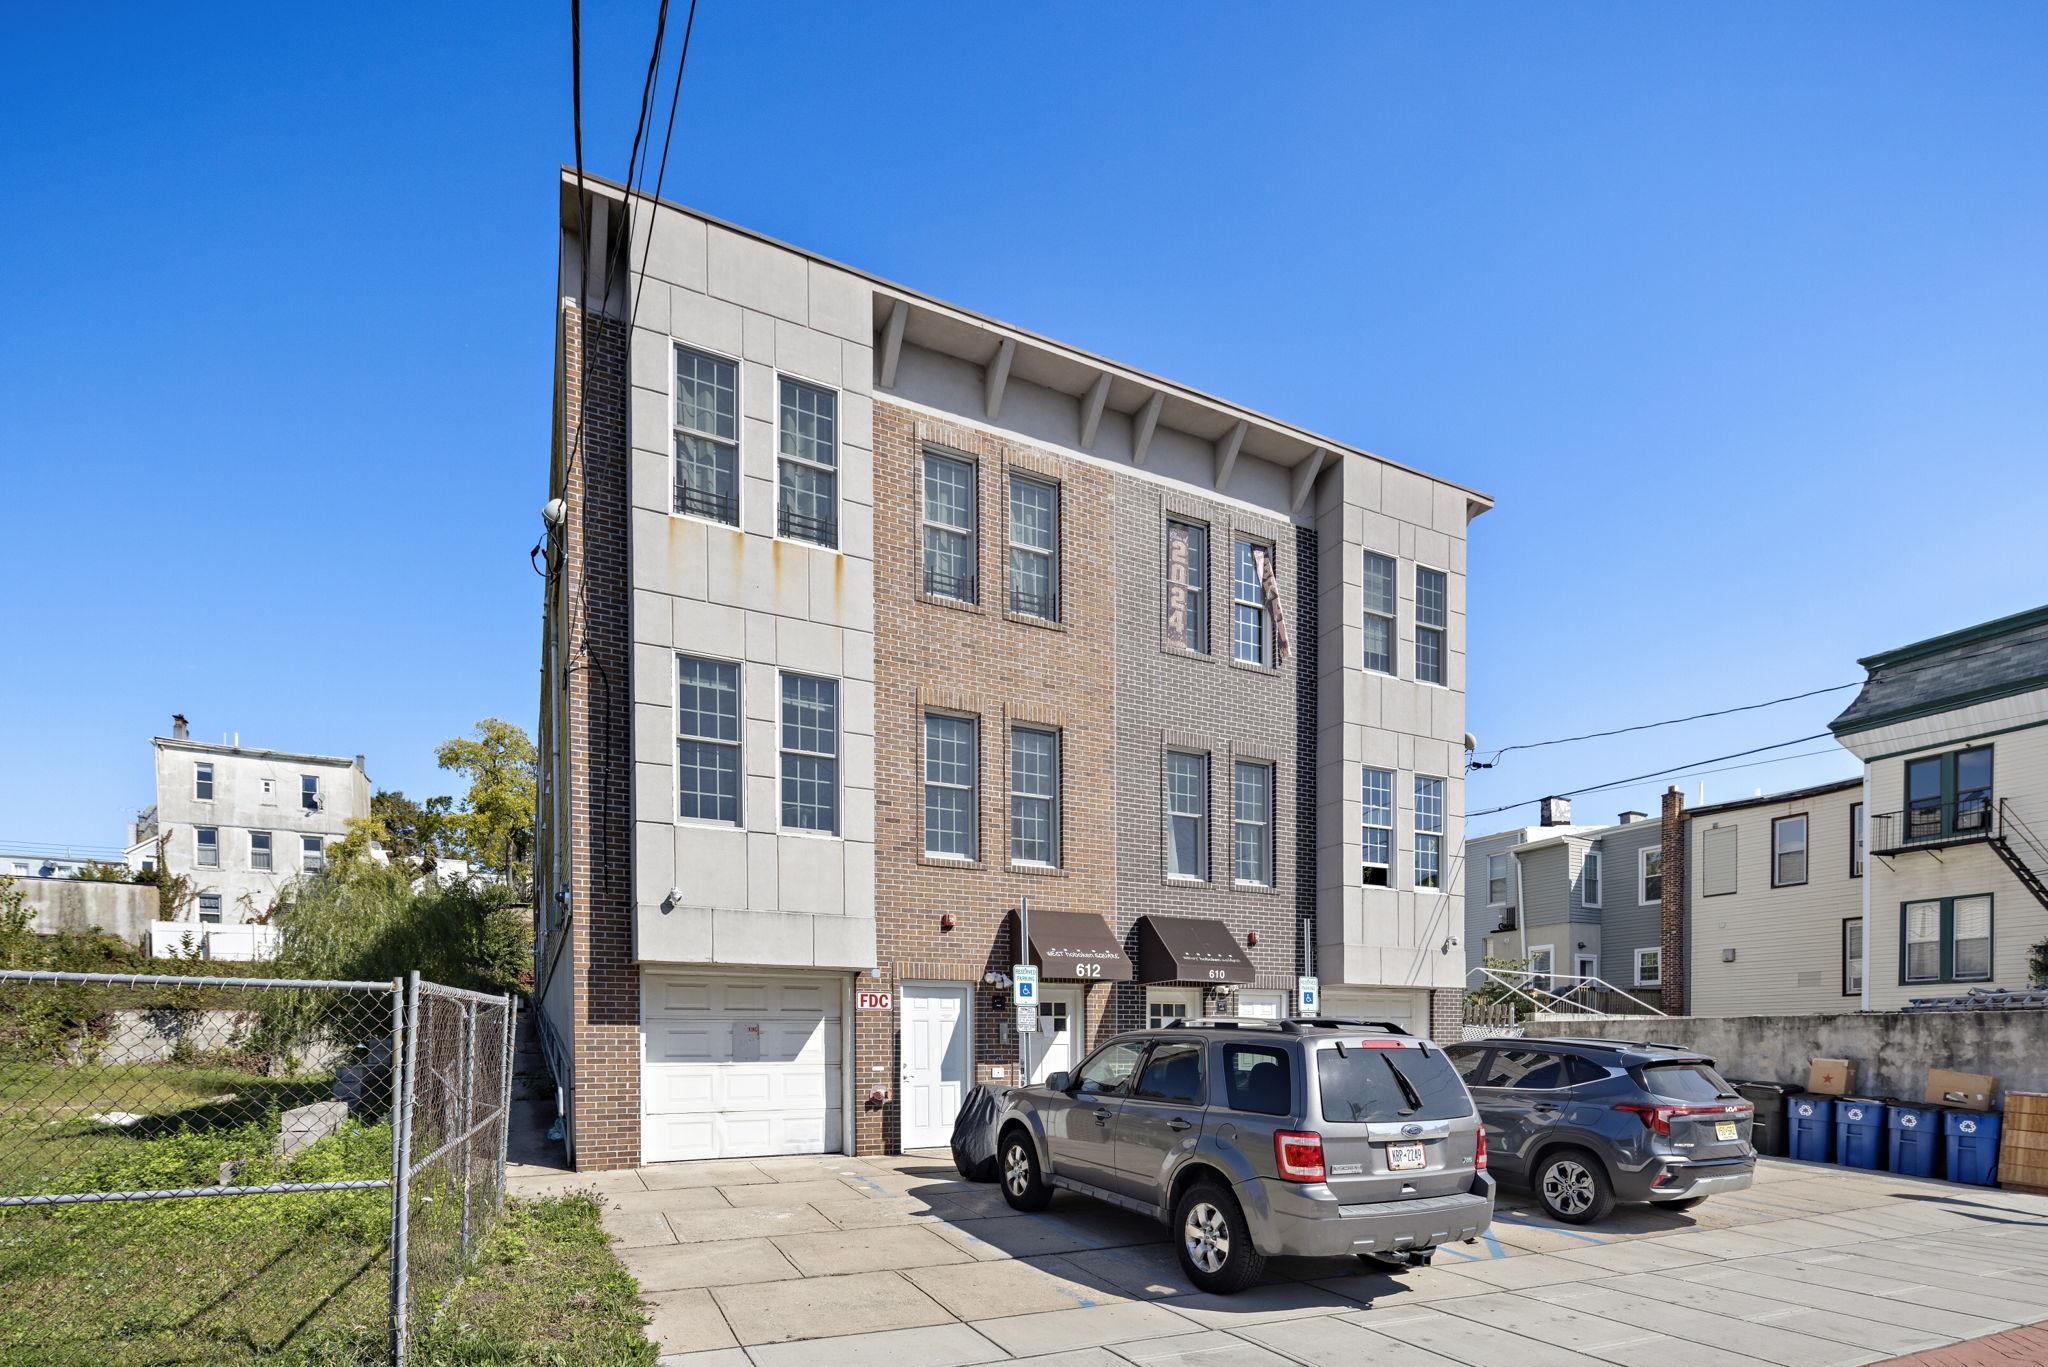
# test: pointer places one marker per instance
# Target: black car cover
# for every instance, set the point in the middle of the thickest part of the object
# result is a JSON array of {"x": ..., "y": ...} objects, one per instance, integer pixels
[{"x": 974, "y": 1132}]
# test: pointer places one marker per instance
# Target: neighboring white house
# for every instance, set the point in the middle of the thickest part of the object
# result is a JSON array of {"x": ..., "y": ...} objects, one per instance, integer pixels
[
  {"x": 51, "y": 861},
  {"x": 242, "y": 822}
]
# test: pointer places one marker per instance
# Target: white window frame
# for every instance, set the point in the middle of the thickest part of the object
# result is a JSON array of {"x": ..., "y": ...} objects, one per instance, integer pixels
[
  {"x": 310, "y": 799},
  {"x": 1648, "y": 950},
  {"x": 1955, "y": 939},
  {"x": 202, "y": 775},
  {"x": 1052, "y": 799},
  {"x": 1434, "y": 833},
  {"x": 1859, "y": 840},
  {"x": 1804, "y": 849},
  {"x": 1265, "y": 827},
  {"x": 210, "y": 916},
  {"x": 785, "y": 457},
  {"x": 736, "y": 745},
  {"x": 971, "y": 531},
  {"x": 1593, "y": 878},
  {"x": 1504, "y": 878},
  {"x": 1547, "y": 975},
  {"x": 1184, "y": 1003},
  {"x": 677, "y": 432},
  {"x": 1391, "y": 616},
  {"x": 783, "y": 754},
  {"x": 268, "y": 787},
  {"x": 1440, "y": 629},
  {"x": 1201, "y": 818},
  {"x": 1859, "y": 944},
  {"x": 200, "y": 847},
  {"x": 1906, "y": 973},
  {"x": 317, "y": 847},
  {"x": 972, "y": 788},
  {"x": 1195, "y": 587},
  {"x": 1643, "y": 898},
  {"x": 269, "y": 864},
  {"x": 1016, "y": 548},
  {"x": 1386, "y": 826},
  {"x": 1245, "y": 548}
]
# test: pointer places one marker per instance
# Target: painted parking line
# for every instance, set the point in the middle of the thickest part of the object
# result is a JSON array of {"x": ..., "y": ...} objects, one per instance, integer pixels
[{"x": 1551, "y": 1228}]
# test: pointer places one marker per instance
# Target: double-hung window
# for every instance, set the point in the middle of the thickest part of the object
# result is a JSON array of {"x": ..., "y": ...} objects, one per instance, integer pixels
[
  {"x": 1250, "y": 635},
  {"x": 209, "y": 908},
  {"x": 1429, "y": 832},
  {"x": 1970, "y": 939},
  {"x": 1034, "y": 548},
  {"x": 707, "y": 437},
  {"x": 1431, "y": 618},
  {"x": 1379, "y": 613},
  {"x": 810, "y": 754},
  {"x": 206, "y": 847},
  {"x": 1034, "y": 795},
  {"x": 948, "y": 524},
  {"x": 1649, "y": 876},
  {"x": 1649, "y": 966},
  {"x": 1590, "y": 880},
  {"x": 202, "y": 782},
  {"x": 1187, "y": 586},
  {"x": 1946, "y": 940},
  {"x": 1788, "y": 851},
  {"x": 1949, "y": 795},
  {"x": 1252, "y": 824},
  {"x": 1852, "y": 956},
  {"x": 1187, "y": 814},
  {"x": 309, "y": 792},
  {"x": 1923, "y": 942},
  {"x": 312, "y": 853},
  {"x": 808, "y": 507},
  {"x": 259, "y": 850},
  {"x": 1376, "y": 826},
  {"x": 707, "y": 739},
  {"x": 1859, "y": 839},
  {"x": 950, "y": 766},
  {"x": 1496, "y": 880}
]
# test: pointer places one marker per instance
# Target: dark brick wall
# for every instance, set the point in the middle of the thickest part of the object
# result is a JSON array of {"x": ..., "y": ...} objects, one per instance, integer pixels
[{"x": 1672, "y": 960}]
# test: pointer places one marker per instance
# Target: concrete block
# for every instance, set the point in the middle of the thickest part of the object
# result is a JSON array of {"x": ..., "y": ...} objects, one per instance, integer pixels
[
  {"x": 857, "y": 650},
  {"x": 304, "y": 1126},
  {"x": 653, "y": 618},
  {"x": 653, "y": 734},
  {"x": 760, "y": 937},
  {"x": 1433, "y": 549},
  {"x": 651, "y": 421},
  {"x": 762, "y": 760},
  {"x": 857, "y": 367},
  {"x": 763, "y": 810},
  {"x": 811, "y": 872},
  {"x": 757, "y": 505},
  {"x": 709, "y": 629},
  {"x": 758, "y": 337},
  {"x": 761, "y": 637},
  {"x": 673, "y": 554},
  {"x": 652, "y": 795},
  {"x": 841, "y": 304},
  {"x": 857, "y": 761},
  {"x": 708, "y": 324},
  {"x": 1449, "y": 515},
  {"x": 758, "y": 458},
  {"x": 654, "y": 675},
  {"x": 1408, "y": 497},
  {"x": 755, "y": 275},
  {"x": 857, "y": 707},
  {"x": 846, "y": 941},
  {"x": 674, "y": 250},
  {"x": 831, "y": 603},
  {"x": 763, "y": 881},
  {"x": 856, "y": 531},
  {"x": 711, "y": 865},
  {"x": 757, "y": 393},
  {"x": 652, "y": 362},
  {"x": 808, "y": 646},
  {"x": 857, "y": 813},
  {"x": 806, "y": 354},
  {"x": 649, "y": 304},
  {"x": 1364, "y": 483},
  {"x": 654, "y": 860}
]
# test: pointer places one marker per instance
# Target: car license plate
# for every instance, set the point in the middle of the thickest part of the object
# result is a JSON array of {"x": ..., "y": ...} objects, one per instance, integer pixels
[
  {"x": 1724, "y": 1130},
  {"x": 1401, "y": 1156}
]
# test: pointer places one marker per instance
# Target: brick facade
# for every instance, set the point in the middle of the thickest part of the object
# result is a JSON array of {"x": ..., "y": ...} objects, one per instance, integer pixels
[
  {"x": 999, "y": 668},
  {"x": 595, "y": 562},
  {"x": 1168, "y": 697},
  {"x": 1671, "y": 958}
]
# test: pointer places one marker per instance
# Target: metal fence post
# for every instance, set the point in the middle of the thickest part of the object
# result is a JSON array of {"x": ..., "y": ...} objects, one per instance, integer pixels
[
  {"x": 468, "y": 1113},
  {"x": 505, "y": 1099},
  {"x": 401, "y": 1039},
  {"x": 402, "y": 1174}
]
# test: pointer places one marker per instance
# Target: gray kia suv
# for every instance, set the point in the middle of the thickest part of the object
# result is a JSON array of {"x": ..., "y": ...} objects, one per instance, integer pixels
[
  {"x": 1251, "y": 1139},
  {"x": 1588, "y": 1122}
]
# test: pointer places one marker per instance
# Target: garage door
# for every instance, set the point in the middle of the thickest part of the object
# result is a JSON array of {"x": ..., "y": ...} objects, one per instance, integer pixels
[
  {"x": 739, "y": 1065},
  {"x": 1409, "y": 1010}
]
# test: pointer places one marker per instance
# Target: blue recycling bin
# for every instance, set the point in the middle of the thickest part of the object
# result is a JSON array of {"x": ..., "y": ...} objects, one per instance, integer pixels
[
  {"x": 1972, "y": 1142},
  {"x": 1914, "y": 1139},
  {"x": 1859, "y": 1132},
  {"x": 1810, "y": 1122}
]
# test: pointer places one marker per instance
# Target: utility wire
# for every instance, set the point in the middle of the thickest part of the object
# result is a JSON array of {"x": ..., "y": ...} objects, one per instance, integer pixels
[
  {"x": 1653, "y": 725},
  {"x": 1655, "y": 773},
  {"x": 661, "y": 172}
]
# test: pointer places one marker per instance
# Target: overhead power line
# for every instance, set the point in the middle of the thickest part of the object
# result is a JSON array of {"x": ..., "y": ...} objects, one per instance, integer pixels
[
  {"x": 661, "y": 171},
  {"x": 1655, "y": 773},
  {"x": 1653, "y": 725}
]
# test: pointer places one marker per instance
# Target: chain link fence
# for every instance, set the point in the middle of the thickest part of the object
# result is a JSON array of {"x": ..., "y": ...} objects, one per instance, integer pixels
[{"x": 230, "y": 1169}]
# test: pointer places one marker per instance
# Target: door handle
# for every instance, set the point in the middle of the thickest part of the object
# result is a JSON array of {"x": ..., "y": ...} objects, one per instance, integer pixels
[
  {"x": 1102, "y": 1115},
  {"x": 1177, "y": 1124},
  {"x": 1545, "y": 1108}
]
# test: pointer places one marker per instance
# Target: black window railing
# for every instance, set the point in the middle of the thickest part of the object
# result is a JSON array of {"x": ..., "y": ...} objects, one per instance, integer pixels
[
  {"x": 942, "y": 585},
  {"x": 1928, "y": 823},
  {"x": 822, "y": 530},
  {"x": 1035, "y": 603},
  {"x": 703, "y": 503}
]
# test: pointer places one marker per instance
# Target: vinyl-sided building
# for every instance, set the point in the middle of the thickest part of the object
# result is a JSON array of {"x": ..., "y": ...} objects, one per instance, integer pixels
[{"x": 868, "y": 618}]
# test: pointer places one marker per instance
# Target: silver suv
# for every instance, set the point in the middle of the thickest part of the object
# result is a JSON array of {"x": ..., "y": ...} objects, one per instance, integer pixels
[{"x": 1252, "y": 1139}]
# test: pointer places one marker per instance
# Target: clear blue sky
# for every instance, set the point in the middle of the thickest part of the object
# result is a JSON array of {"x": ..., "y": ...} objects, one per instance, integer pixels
[{"x": 1740, "y": 312}]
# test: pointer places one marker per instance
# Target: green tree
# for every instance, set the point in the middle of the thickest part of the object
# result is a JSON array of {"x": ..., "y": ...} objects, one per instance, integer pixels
[
  {"x": 2037, "y": 964},
  {"x": 493, "y": 825},
  {"x": 415, "y": 834},
  {"x": 16, "y": 940},
  {"x": 99, "y": 871}
]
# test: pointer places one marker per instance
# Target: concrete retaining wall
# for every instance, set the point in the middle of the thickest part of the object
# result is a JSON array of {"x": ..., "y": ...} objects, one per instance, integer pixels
[
  {"x": 1892, "y": 1050},
  {"x": 75, "y": 905}
]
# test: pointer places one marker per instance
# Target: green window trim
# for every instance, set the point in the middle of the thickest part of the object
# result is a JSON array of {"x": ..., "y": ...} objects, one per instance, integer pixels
[
  {"x": 1948, "y": 941},
  {"x": 1949, "y": 794}
]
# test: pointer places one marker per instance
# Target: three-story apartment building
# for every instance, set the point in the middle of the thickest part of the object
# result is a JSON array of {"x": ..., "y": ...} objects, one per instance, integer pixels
[{"x": 870, "y": 620}]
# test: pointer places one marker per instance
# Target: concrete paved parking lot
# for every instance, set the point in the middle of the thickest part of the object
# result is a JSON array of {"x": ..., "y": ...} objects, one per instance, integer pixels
[{"x": 787, "y": 1261}]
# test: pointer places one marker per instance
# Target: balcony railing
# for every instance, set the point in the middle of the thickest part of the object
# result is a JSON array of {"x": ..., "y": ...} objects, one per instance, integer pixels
[
  {"x": 703, "y": 503},
  {"x": 822, "y": 530},
  {"x": 1027, "y": 603},
  {"x": 1510, "y": 919},
  {"x": 942, "y": 585},
  {"x": 1932, "y": 825}
]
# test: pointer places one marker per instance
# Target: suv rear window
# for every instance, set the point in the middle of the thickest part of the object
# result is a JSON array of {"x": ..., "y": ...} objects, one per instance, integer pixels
[
  {"x": 1258, "y": 1079},
  {"x": 1389, "y": 1084},
  {"x": 1685, "y": 1082}
]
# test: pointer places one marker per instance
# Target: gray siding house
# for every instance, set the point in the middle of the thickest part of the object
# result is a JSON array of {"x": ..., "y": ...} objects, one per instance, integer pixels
[{"x": 1575, "y": 901}]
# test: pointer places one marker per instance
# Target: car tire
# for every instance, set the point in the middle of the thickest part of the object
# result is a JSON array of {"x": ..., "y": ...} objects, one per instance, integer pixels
[
  {"x": 1024, "y": 1186},
  {"x": 1214, "y": 1240},
  {"x": 1573, "y": 1187}
]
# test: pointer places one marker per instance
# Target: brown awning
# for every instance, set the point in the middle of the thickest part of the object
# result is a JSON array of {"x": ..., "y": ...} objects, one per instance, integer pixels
[
  {"x": 1190, "y": 949},
  {"x": 1076, "y": 945}
]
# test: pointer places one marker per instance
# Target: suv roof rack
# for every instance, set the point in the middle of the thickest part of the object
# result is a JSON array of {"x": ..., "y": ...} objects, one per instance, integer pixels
[
  {"x": 1291, "y": 1025},
  {"x": 1224, "y": 1023}
]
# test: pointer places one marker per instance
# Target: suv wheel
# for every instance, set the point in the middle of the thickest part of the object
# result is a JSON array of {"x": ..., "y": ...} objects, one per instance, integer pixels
[
  {"x": 1214, "y": 1241},
  {"x": 1023, "y": 1185},
  {"x": 1573, "y": 1187}
]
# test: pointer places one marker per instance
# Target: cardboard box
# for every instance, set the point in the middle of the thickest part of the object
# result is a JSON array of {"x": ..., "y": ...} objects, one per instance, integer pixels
[
  {"x": 1971, "y": 1091},
  {"x": 1831, "y": 1076}
]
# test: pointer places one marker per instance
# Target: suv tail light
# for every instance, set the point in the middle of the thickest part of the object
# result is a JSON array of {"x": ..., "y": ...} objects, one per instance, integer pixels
[
  {"x": 1480, "y": 1163},
  {"x": 1657, "y": 1119},
  {"x": 1299, "y": 1155}
]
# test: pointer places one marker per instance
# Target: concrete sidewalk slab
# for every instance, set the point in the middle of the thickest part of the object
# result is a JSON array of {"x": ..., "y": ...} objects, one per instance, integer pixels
[
  {"x": 937, "y": 1345},
  {"x": 788, "y": 1195},
  {"x": 1333, "y": 1341},
  {"x": 713, "y": 1226},
  {"x": 890, "y": 1248},
  {"x": 1811, "y": 1292},
  {"x": 676, "y": 1267},
  {"x": 711, "y": 1172},
  {"x": 686, "y": 1322},
  {"x": 1887, "y": 1339},
  {"x": 1262, "y": 1305},
  {"x": 1582, "y": 1332},
  {"x": 1466, "y": 1341},
  {"x": 970, "y": 1290},
  {"x": 1746, "y": 1340},
  {"x": 1209, "y": 1349},
  {"x": 826, "y": 1307},
  {"x": 1058, "y": 1331}
]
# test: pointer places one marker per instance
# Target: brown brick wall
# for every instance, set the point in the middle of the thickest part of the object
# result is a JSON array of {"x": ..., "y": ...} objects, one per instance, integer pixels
[
  {"x": 981, "y": 660},
  {"x": 1672, "y": 939},
  {"x": 596, "y": 560}
]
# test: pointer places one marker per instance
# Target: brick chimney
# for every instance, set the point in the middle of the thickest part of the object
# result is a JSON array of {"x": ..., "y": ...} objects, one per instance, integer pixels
[
  {"x": 179, "y": 729},
  {"x": 1672, "y": 956}
]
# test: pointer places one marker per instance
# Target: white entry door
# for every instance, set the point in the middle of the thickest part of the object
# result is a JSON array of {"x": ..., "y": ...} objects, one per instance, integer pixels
[
  {"x": 1261, "y": 1005},
  {"x": 1056, "y": 1048},
  {"x": 739, "y": 1065},
  {"x": 937, "y": 1060}
]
